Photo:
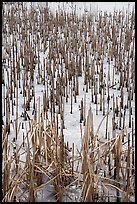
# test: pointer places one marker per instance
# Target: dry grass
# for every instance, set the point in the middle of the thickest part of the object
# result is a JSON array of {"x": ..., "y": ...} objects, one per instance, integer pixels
[{"x": 104, "y": 168}]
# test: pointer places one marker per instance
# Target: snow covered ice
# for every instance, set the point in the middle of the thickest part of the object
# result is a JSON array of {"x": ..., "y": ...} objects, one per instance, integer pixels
[{"x": 49, "y": 54}]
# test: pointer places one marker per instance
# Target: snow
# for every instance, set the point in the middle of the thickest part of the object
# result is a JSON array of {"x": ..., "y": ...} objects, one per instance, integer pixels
[
  {"x": 110, "y": 6},
  {"x": 72, "y": 121},
  {"x": 82, "y": 7}
]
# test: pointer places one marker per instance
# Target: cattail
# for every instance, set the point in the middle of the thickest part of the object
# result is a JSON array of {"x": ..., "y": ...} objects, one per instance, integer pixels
[
  {"x": 84, "y": 111},
  {"x": 16, "y": 110},
  {"x": 103, "y": 100},
  {"x": 81, "y": 111},
  {"x": 133, "y": 150},
  {"x": 130, "y": 112},
  {"x": 72, "y": 158},
  {"x": 4, "y": 103},
  {"x": 96, "y": 82},
  {"x": 92, "y": 96},
  {"x": 71, "y": 98},
  {"x": 116, "y": 110},
  {"x": 122, "y": 97},
  {"x": 120, "y": 116}
]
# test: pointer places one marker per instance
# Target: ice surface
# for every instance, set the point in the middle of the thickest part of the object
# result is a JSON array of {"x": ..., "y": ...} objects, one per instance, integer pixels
[{"x": 71, "y": 121}]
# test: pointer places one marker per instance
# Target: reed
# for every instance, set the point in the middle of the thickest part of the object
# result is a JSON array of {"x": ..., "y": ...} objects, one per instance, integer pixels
[{"x": 43, "y": 64}]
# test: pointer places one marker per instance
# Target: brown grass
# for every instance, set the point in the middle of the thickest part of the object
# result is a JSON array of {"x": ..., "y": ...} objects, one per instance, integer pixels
[{"x": 103, "y": 169}]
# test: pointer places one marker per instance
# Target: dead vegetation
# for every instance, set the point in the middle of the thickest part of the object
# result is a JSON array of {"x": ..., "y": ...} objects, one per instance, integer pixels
[{"x": 53, "y": 51}]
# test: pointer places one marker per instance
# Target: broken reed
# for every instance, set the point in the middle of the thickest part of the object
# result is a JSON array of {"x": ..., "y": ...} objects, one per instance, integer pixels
[
  {"x": 67, "y": 60},
  {"x": 73, "y": 71},
  {"x": 43, "y": 150},
  {"x": 106, "y": 157}
]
